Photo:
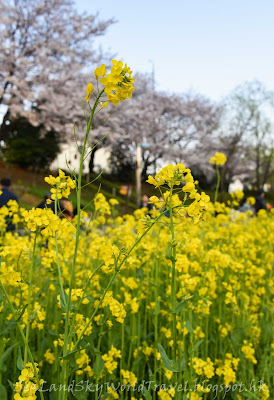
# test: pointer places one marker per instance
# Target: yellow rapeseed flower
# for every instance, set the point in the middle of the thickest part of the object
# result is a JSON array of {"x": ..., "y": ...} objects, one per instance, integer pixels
[
  {"x": 89, "y": 90},
  {"x": 218, "y": 159}
]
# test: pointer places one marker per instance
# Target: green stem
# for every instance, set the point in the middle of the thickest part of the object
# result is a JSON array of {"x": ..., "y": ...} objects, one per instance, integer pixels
[
  {"x": 80, "y": 302},
  {"x": 218, "y": 184},
  {"x": 29, "y": 299},
  {"x": 113, "y": 278},
  {"x": 156, "y": 320},
  {"x": 191, "y": 354},
  {"x": 173, "y": 276},
  {"x": 24, "y": 338},
  {"x": 122, "y": 355},
  {"x": 132, "y": 339},
  {"x": 57, "y": 258},
  {"x": 63, "y": 394},
  {"x": 98, "y": 351}
]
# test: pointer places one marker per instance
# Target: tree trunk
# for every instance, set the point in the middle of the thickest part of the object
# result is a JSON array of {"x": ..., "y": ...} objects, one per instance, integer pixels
[
  {"x": 5, "y": 118},
  {"x": 146, "y": 164},
  {"x": 91, "y": 161}
]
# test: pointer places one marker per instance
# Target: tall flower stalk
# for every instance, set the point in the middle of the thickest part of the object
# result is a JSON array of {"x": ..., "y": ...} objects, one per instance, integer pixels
[
  {"x": 116, "y": 86},
  {"x": 217, "y": 159}
]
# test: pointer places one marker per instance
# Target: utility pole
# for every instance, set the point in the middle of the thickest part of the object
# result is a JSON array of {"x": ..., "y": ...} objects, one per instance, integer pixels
[
  {"x": 153, "y": 102},
  {"x": 138, "y": 173},
  {"x": 139, "y": 147},
  {"x": 152, "y": 75}
]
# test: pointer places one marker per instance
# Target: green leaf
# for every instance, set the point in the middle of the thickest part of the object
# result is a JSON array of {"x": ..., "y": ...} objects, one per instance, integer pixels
[
  {"x": 99, "y": 364},
  {"x": 20, "y": 363},
  {"x": 71, "y": 354},
  {"x": 32, "y": 317},
  {"x": 3, "y": 392},
  {"x": 10, "y": 326},
  {"x": 157, "y": 308},
  {"x": 63, "y": 300},
  {"x": 180, "y": 306},
  {"x": 247, "y": 394},
  {"x": 197, "y": 345},
  {"x": 146, "y": 394},
  {"x": 168, "y": 252},
  {"x": 189, "y": 326},
  {"x": 166, "y": 361},
  {"x": 53, "y": 333},
  {"x": 180, "y": 364},
  {"x": 11, "y": 384},
  {"x": 106, "y": 395},
  {"x": 7, "y": 352},
  {"x": 21, "y": 313}
]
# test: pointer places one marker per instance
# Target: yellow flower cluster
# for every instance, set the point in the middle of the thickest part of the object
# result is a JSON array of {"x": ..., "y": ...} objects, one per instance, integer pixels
[
  {"x": 199, "y": 206},
  {"x": 167, "y": 394},
  {"x": 116, "y": 308},
  {"x": 224, "y": 329},
  {"x": 27, "y": 385},
  {"x": 9, "y": 276},
  {"x": 63, "y": 185},
  {"x": 41, "y": 219},
  {"x": 113, "y": 202},
  {"x": 223, "y": 280},
  {"x": 194, "y": 396},
  {"x": 39, "y": 316},
  {"x": 49, "y": 356},
  {"x": 172, "y": 175},
  {"x": 264, "y": 392},
  {"x": 202, "y": 367},
  {"x": 175, "y": 175},
  {"x": 249, "y": 352},
  {"x": 109, "y": 359},
  {"x": 118, "y": 83},
  {"x": 228, "y": 368},
  {"x": 82, "y": 359},
  {"x": 10, "y": 213},
  {"x": 101, "y": 205},
  {"x": 76, "y": 294},
  {"x": 4, "y": 212},
  {"x": 80, "y": 323},
  {"x": 129, "y": 377},
  {"x": 218, "y": 159},
  {"x": 236, "y": 197},
  {"x": 89, "y": 90}
]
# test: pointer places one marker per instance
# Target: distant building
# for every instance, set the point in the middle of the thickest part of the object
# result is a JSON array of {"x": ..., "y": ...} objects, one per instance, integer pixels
[{"x": 69, "y": 158}]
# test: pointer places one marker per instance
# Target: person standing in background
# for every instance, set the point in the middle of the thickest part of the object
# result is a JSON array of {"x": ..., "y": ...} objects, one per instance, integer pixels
[
  {"x": 260, "y": 201},
  {"x": 145, "y": 203},
  {"x": 6, "y": 195}
]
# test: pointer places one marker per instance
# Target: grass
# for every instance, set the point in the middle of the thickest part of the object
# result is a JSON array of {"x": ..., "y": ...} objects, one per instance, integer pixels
[{"x": 31, "y": 188}]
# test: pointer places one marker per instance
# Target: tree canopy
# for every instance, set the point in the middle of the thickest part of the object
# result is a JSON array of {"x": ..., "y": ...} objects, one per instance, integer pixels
[
  {"x": 46, "y": 52},
  {"x": 29, "y": 146}
]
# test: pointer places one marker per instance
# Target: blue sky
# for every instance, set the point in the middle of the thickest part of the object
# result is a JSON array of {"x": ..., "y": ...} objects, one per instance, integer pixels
[{"x": 208, "y": 46}]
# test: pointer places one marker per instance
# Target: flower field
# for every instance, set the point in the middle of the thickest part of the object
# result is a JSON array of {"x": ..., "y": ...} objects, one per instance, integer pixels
[
  {"x": 223, "y": 313},
  {"x": 177, "y": 304}
]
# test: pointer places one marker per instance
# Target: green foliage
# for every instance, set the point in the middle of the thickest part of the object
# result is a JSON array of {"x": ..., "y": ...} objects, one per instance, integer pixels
[{"x": 29, "y": 146}]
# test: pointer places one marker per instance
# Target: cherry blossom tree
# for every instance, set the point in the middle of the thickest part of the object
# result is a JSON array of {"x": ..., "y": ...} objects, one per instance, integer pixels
[
  {"x": 170, "y": 126},
  {"x": 246, "y": 134},
  {"x": 46, "y": 53}
]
